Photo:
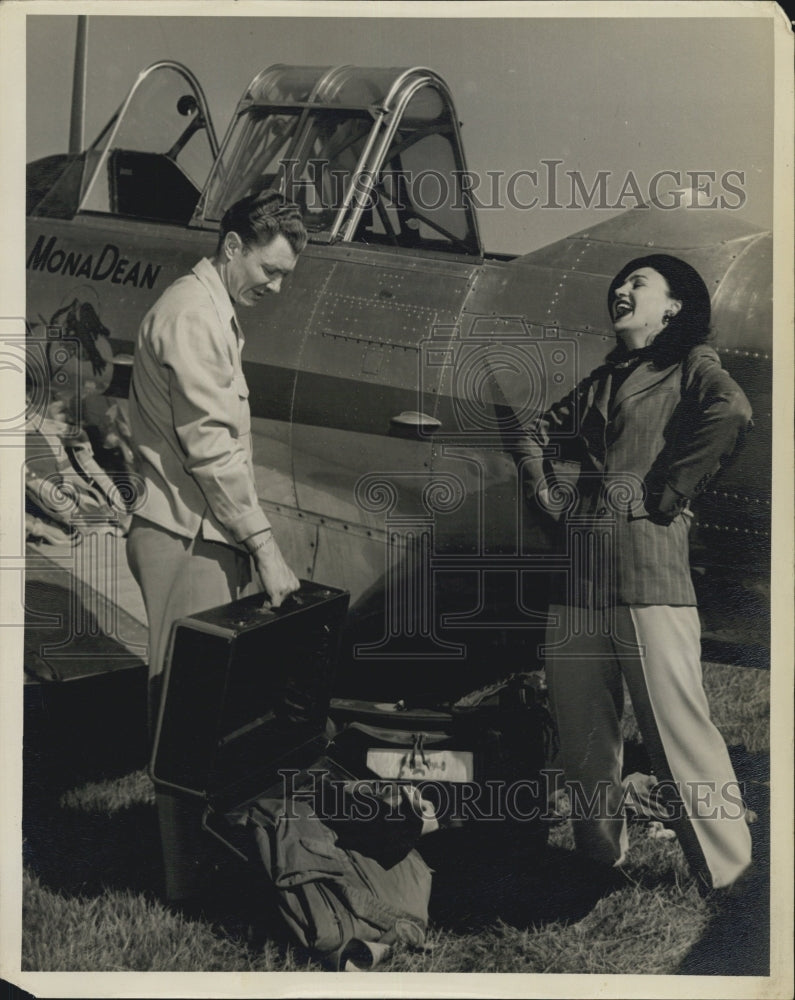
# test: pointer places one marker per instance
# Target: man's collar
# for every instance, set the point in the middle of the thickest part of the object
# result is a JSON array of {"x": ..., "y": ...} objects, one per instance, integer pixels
[{"x": 207, "y": 274}]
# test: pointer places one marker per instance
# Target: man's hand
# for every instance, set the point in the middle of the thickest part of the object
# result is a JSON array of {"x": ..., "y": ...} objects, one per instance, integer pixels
[{"x": 277, "y": 578}]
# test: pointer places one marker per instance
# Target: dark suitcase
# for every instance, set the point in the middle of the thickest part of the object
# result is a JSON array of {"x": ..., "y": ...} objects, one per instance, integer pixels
[{"x": 246, "y": 691}]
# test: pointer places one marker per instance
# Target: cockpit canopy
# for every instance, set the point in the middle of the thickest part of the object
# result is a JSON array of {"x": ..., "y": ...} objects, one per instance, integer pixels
[
  {"x": 371, "y": 155},
  {"x": 149, "y": 162}
]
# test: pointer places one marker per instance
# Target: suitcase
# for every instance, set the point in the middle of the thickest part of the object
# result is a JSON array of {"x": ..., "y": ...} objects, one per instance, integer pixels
[
  {"x": 246, "y": 690},
  {"x": 466, "y": 759}
]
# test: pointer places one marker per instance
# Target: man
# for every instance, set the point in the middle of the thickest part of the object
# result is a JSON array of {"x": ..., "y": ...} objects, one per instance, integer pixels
[{"x": 199, "y": 525}]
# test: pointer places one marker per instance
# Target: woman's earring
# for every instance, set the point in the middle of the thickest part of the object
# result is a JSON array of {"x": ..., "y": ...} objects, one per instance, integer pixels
[{"x": 667, "y": 317}]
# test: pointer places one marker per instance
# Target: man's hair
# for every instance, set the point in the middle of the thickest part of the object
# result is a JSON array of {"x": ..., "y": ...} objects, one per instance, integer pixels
[{"x": 259, "y": 218}]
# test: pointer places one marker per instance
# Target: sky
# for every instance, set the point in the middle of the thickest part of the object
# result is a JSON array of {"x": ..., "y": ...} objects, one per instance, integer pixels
[{"x": 628, "y": 95}]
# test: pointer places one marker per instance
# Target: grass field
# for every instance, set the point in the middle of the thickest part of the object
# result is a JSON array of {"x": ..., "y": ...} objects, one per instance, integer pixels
[{"x": 92, "y": 879}]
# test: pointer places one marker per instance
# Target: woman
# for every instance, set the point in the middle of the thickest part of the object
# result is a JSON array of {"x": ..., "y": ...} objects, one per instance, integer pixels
[{"x": 649, "y": 428}]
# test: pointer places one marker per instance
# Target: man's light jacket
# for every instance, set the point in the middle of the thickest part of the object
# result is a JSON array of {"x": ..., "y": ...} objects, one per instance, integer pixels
[{"x": 190, "y": 417}]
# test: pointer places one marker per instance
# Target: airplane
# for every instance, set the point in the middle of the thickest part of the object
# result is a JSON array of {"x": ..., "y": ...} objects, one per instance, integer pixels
[{"x": 388, "y": 377}]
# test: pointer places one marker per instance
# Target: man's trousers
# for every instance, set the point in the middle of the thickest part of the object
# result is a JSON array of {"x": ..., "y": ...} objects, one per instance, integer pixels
[
  {"x": 657, "y": 652},
  {"x": 180, "y": 577}
]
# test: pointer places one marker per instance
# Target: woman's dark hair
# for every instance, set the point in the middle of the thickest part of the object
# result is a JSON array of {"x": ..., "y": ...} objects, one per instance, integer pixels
[
  {"x": 690, "y": 326},
  {"x": 259, "y": 218}
]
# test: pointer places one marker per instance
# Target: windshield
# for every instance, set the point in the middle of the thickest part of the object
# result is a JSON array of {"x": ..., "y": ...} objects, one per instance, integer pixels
[
  {"x": 155, "y": 154},
  {"x": 375, "y": 173},
  {"x": 316, "y": 174},
  {"x": 417, "y": 199}
]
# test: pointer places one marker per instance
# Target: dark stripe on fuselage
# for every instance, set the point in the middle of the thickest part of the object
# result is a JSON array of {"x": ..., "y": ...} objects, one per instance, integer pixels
[
  {"x": 325, "y": 400},
  {"x": 270, "y": 389}
]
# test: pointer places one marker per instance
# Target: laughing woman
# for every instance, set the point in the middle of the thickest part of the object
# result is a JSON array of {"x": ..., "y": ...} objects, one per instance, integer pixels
[{"x": 649, "y": 428}]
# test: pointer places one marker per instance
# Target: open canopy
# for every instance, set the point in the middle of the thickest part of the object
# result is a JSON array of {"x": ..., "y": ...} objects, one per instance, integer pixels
[{"x": 372, "y": 155}]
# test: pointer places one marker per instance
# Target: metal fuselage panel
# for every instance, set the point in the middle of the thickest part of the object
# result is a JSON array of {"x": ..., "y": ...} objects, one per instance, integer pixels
[
  {"x": 360, "y": 336},
  {"x": 561, "y": 294}
]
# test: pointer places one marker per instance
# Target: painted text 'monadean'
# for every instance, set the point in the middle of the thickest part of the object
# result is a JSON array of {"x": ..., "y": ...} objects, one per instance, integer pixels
[{"x": 108, "y": 265}]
